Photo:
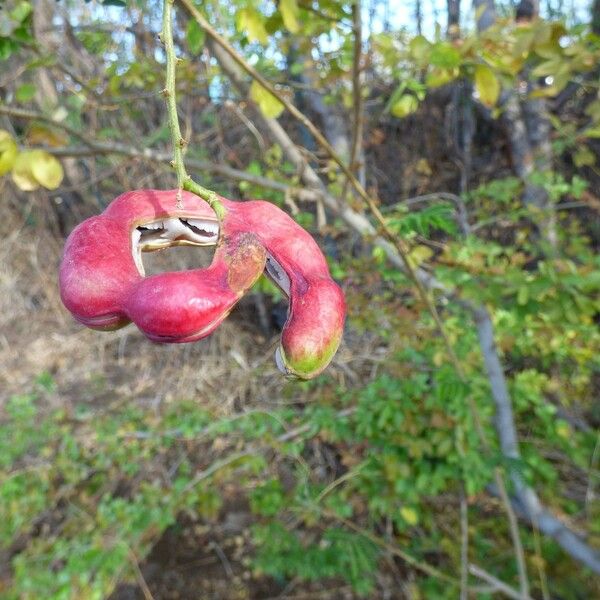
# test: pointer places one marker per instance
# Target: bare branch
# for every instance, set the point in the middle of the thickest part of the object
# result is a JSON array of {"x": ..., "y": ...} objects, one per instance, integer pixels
[
  {"x": 357, "y": 96},
  {"x": 498, "y": 585},
  {"x": 361, "y": 224},
  {"x": 464, "y": 546}
]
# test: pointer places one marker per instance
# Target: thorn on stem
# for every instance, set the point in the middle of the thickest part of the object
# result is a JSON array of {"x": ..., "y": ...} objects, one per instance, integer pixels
[{"x": 165, "y": 92}]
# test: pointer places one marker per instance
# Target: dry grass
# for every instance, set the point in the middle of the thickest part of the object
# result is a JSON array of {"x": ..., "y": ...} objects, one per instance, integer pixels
[{"x": 38, "y": 335}]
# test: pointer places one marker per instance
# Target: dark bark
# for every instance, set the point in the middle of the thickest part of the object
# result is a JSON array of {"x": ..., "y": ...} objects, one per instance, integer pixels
[
  {"x": 453, "y": 17},
  {"x": 527, "y": 10},
  {"x": 596, "y": 17},
  {"x": 419, "y": 17}
]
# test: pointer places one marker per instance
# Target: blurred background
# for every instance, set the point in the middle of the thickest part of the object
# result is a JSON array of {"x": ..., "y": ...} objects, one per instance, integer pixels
[{"x": 420, "y": 464}]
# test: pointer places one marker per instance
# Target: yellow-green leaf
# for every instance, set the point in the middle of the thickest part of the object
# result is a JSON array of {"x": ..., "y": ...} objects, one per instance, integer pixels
[
  {"x": 409, "y": 515},
  {"x": 268, "y": 104},
  {"x": 584, "y": 157},
  {"x": 523, "y": 295},
  {"x": 420, "y": 48},
  {"x": 22, "y": 175},
  {"x": 46, "y": 169},
  {"x": 592, "y": 132},
  {"x": 563, "y": 429},
  {"x": 404, "y": 106},
  {"x": 487, "y": 85},
  {"x": 419, "y": 254},
  {"x": 8, "y": 152},
  {"x": 438, "y": 77},
  {"x": 290, "y": 13},
  {"x": 252, "y": 22},
  {"x": 25, "y": 92}
]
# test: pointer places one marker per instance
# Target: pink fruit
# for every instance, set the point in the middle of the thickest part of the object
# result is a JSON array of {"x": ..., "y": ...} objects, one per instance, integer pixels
[
  {"x": 317, "y": 309},
  {"x": 102, "y": 279}
]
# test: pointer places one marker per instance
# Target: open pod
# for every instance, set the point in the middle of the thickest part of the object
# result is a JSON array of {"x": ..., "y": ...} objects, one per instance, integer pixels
[
  {"x": 102, "y": 280},
  {"x": 317, "y": 308}
]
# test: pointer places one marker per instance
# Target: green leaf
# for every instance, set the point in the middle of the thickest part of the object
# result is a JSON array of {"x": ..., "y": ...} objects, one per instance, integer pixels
[
  {"x": 21, "y": 11},
  {"x": 269, "y": 105},
  {"x": 289, "y": 13},
  {"x": 406, "y": 105},
  {"x": 445, "y": 56},
  {"x": 584, "y": 157},
  {"x": 46, "y": 169},
  {"x": 7, "y": 46},
  {"x": 420, "y": 49},
  {"x": 195, "y": 36},
  {"x": 487, "y": 85},
  {"x": 409, "y": 515},
  {"x": 22, "y": 175},
  {"x": 523, "y": 295},
  {"x": 25, "y": 92},
  {"x": 37, "y": 167},
  {"x": 8, "y": 152},
  {"x": 252, "y": 22},
  {"x": 438, "y": 77}
]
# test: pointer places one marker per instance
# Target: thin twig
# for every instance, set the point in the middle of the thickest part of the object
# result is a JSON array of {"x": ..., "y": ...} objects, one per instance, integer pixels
[
  {"x": 514, "y": 532},
  {"x": 139, "y": 577},
  {"x": 540, "y": 563},
  {"x": 464, "y": 546},
  {"x": 498, "y": 585},
  {"x": 100, "y": 148},
  {"x": 184, "y": 181},
  {"x": 166, "y": 36},
  {"x": 409, "y": 559},
  {"x": 357, "y": 95}
]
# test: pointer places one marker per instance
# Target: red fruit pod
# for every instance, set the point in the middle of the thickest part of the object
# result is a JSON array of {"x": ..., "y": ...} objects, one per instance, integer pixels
[
  {"x": 317, "y": 308},
  {"x": 102, "y": 279},
  {"x": 185, "y": 306}
]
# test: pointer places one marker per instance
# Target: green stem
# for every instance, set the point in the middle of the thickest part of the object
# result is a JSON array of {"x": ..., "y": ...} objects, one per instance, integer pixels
[{"x": 184, "y": 181}]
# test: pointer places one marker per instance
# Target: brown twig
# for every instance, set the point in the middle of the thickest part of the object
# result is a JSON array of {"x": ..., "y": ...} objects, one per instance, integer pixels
[
  {"x": 357, "y": 95},
  {"x": 464, "y": 546}
]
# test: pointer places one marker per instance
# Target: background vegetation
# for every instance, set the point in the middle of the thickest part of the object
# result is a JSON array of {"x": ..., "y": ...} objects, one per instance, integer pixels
[{"x": 427, "y": 461}]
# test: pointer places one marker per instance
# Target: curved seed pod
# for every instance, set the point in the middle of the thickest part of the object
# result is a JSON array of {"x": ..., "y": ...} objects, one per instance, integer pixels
[
  {"x": 102, "y": 279},
  {"x": 188, "y": 305},
  {"x": 317, "y": 308}
]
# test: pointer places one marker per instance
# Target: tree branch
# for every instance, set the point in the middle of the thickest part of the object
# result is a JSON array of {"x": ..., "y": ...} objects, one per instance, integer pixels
[
  {"x": 361, "y": 224},
  {"x": 357, "y": 96},
  {"x": 498, "y": 585}
]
